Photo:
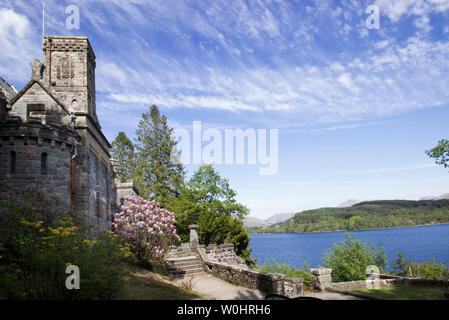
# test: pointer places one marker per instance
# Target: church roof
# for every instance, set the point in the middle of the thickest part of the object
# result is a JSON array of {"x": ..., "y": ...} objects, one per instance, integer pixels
[{"x": 7, "y": 88}]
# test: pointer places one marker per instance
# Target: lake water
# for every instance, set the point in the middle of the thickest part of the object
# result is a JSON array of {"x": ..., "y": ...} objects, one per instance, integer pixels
[{"x": 419, "y": 243}]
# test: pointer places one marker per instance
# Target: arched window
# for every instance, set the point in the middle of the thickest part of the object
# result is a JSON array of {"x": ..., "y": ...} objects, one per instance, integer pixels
[
  {"x": 43, "y": 163},
  {"x": 13, "y": 162}
]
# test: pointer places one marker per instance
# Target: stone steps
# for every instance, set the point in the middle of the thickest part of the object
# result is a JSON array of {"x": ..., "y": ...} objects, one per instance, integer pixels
[
  {"x": 181, "y": 261},
  {"x": 185, "y": 262}
]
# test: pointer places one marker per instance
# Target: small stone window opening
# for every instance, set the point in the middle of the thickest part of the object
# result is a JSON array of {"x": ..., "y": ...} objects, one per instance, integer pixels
[
  {"x": 98, "y": 204},
  {"x": 43, "y": 163},
  {"x": 13, "y": 162},
  {"x": 35, "y": 111}
]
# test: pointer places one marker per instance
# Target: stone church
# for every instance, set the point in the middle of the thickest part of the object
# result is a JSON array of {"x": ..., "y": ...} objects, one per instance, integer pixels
[{"x": 50, "y": 134}]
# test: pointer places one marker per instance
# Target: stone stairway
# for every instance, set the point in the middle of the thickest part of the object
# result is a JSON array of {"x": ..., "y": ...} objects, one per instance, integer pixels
[{"x": 182, "y": 261}]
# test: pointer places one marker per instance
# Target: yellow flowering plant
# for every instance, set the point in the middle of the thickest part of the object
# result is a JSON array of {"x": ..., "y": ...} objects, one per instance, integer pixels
[{"x": 38, "y": 250}]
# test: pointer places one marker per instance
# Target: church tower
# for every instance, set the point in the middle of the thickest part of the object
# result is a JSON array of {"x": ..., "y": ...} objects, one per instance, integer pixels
[{"x": 70, "y": 72}]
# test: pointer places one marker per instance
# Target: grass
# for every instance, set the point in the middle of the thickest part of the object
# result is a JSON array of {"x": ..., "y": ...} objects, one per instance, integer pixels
[
  {"x": 406, "y": 293},
  {"x": 142, "y": 284}
]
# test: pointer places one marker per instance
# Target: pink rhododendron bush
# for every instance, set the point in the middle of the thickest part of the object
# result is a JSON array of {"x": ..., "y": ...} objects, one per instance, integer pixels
[{"x": 149, "y": 229}]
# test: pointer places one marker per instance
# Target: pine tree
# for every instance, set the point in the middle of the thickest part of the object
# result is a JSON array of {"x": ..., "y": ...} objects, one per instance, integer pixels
[
  {"x": 158, "y": 175},
  {"x": 123, "y": 152}
]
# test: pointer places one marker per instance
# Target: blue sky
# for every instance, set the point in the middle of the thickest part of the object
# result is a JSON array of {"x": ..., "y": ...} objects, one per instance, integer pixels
[{"x": 355, "y": 108}]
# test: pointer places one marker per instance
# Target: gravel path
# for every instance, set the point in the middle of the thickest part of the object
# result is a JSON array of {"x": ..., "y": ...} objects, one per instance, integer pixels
[{"x": 221, "y": 290}]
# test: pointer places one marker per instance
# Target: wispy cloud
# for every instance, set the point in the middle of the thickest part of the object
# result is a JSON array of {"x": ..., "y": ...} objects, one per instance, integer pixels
[
  {"x": 397, "y": 169},
  {"x": 265, "y": 57}
]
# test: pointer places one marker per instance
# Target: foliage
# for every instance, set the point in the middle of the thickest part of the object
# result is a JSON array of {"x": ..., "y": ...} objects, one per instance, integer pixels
[
  {"x": 28, "y": 203},
  {"x": 158, "y": 175},
  {"x": 289, "y": 271},
  {"x": 423, "y": 270},
  {"x": 224, "y": 229},
  {"x": 123, "y": 152},
  {"x": 41, "y": 242},
  {"x": 148, "y": 229},
  {"x": 440, "y": 153},
  {"x": 349, "y": 260},
  {"x": 213, "y": 192},
  {"x": 364, "y": 216},
  {"x": 208, "y": 200}
]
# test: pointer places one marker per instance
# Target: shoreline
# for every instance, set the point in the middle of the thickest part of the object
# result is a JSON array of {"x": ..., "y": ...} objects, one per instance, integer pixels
[{"x": 316, "y": 232}]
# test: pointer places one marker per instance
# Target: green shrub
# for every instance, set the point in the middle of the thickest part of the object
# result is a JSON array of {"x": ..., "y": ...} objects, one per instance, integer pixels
[
  {"x": 39, "y": 242},
  {"x": 289, "y": 271},
  {"x": 349, "y": 260},
  {"x": 423, "y": 270}
]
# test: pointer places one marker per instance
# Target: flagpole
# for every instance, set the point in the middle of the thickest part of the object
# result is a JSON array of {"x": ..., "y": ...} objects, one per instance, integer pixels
[{"x": 43, "y": 19}]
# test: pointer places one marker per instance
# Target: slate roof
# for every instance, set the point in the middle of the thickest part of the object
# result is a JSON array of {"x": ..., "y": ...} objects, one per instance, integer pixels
[{"x": 7, "y": 87}]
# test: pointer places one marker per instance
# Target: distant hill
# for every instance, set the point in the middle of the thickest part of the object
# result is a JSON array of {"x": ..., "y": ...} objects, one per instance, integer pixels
[
  {"x": 348, "y": 203},
  {"x": 253, "y": 222},
  {"x": 364, "y": 216},
  {"x": 440, "y": 197},
  {"x": 280, "y": 217}
]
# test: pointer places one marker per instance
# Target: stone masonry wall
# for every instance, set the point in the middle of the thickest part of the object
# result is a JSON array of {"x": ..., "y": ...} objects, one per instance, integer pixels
[
  {"x": 95, "y": 194},
  {"x": 223, "y": 253},
  {"x": 28, "y": 151},
  {"x": 124, "y": 189},
  {"x": 389, "y": 281},
  {"x": 221, "y": 261}
]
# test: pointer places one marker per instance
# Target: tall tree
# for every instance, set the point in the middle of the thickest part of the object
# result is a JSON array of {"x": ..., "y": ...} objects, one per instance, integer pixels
[
  {"x": 123, "y": 152},
  {"x": 212, "y": 191},
  {"x": 440, "y": 153},
  {"x": 158, "y": 175}
]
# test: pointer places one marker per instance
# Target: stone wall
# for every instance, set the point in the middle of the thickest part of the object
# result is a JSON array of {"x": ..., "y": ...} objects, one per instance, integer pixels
[
  {"x": 221, "y": 261},
  {"x": 223, "y": 253},
  {"x": 37, "y": 106},
  {"x": 386, "y": 280},
  {"x": 29, "y": 143},
  {"x": 322, "y": 278},
  {"x": 124, "y": 189},
  {"x": 96, "y": 194}
]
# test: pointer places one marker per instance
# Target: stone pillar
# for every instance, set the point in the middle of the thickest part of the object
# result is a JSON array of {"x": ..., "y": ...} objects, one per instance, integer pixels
[
  {"x": 193, "y": 236},
  {"x": 293, "y": 287},
  {"x": 322, "y": 278},
  {"x": 37, "y": 68}
]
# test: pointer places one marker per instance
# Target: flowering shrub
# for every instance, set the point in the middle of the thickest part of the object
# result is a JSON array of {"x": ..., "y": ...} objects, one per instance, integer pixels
[
  {"x": 39, "y": 240},
  {"x": 148, "y": 228}
]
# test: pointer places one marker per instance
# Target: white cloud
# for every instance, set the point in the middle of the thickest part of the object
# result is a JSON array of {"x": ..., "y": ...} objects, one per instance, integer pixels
[
  {"x": 16, "y": 45},
  {"x": 396, "y": 9}
]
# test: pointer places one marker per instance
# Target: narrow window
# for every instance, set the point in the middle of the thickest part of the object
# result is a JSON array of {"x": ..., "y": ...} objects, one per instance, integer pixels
[
  {"x": 43, "y": 163},
  {"x": 13, "y": 162},
  {"x": 98, "y": 204}
]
